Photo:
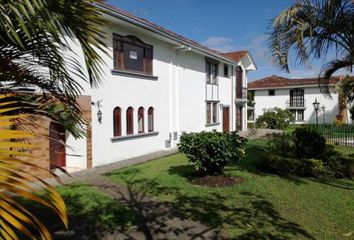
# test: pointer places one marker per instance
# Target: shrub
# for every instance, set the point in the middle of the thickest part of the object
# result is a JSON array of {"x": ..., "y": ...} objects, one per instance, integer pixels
[
  {"x": 282, "y": 144},
  {"x": 210, "y": 152},
  {"x": 338, "y": 165},
  {"x": 277, "y": 119},
  {"x": 291, "y": 166},
  {"x": 308, "y": 143},
  {"x": 305, "y": 153},
  {"x": 337, "y": 122},
  {"x": 251, "y": 125}
]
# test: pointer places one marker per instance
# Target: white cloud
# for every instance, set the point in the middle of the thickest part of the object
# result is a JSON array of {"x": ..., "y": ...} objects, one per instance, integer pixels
[
  {"x": 259, "y": 50},
  {"x": 221, "y": 44}
]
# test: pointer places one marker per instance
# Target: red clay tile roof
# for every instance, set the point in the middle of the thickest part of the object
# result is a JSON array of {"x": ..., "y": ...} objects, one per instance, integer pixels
[
  {"x": 175, "y": 35},
  {"x": 236, "y": 56},
  {"x": 279, "y": 82}
]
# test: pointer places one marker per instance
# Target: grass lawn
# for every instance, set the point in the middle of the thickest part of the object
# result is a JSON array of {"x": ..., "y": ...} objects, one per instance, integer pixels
[
  {"x": 91, "y": 213},
  {"x": 265, "y": 206}
]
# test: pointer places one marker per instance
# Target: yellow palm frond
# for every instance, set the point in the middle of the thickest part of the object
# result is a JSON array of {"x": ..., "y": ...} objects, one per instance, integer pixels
[{"x": 16, "y": 181}]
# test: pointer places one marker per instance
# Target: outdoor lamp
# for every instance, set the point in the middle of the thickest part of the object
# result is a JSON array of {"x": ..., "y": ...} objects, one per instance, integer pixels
[
  {"x": 316, "y": 106},
  {"x": 99, "y": 115},
  {"x": 323, "y": 108},
  {"x": 324, "y": 112},
  {"x": 99, "y": 112}
]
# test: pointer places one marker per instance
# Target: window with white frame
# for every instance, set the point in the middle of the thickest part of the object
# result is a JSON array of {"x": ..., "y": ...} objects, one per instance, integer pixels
[
  {"x": 211, "y": 71},
  {"x": 212, "y": 112},
  {"x": 298, "y": 114}
]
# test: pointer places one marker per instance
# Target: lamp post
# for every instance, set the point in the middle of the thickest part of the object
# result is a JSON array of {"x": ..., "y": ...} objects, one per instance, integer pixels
[
  {"x": 324, "y": 113},
  {"x": 316, "y": 106},
  {"x": 99, "y": 112}
]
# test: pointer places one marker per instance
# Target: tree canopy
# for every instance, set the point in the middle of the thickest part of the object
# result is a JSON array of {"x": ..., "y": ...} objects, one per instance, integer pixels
[{"x": 312, "y": 29}]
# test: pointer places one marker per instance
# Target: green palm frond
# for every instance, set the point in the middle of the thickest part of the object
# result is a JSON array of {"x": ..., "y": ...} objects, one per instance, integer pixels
[
  {"x": 36, "y": 48},
  {"x": 310, "y": 29}
]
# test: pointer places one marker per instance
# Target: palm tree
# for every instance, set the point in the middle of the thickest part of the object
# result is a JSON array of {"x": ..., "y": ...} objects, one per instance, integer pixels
[
  {"x": 36, "y": 53},
  {"x": 345, "y": 89},
  {"x": 312, "y": 29}
]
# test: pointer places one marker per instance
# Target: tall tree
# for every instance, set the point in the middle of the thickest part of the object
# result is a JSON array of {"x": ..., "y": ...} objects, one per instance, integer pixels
[
  {"x": 346, "y": 90},
  {"x": 37, "y": 40},
  {"x": 312, "y": 29}
]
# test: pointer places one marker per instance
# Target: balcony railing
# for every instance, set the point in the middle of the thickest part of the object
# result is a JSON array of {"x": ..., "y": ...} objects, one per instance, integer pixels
[
  {"x": 295, "y": 104},
  {"x": 241, "y": 93}
]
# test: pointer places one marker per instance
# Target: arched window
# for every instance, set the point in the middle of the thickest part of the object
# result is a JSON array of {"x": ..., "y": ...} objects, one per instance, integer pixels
[
  {"x": 141, "y": 120},
  {"x": 151, "y": 119},
  {"x": 240, "y": 93},
  {"x": 130, "y": 121},
  {"x": 117, "y": 122}
]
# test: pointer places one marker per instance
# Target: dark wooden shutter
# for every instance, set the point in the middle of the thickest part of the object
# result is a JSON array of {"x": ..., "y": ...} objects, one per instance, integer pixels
[
  {"x": 130, "y": 121},
  {"x": 117, "y": 122},
  {"x": 151, "y": 119},
  {"x": 148, "y": 60},
  {"x": 141, "y": 120}
]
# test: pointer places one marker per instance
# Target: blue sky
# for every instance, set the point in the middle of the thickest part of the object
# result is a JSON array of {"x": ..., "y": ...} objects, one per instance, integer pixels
[{"x": 225, "y": 25}]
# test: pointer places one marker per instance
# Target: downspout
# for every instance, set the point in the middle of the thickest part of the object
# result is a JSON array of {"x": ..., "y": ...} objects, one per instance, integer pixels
[
  {"x": 171, "y": 94},
  {"x": 177, "y": 93},
  {"x": 232, "y": 97}
]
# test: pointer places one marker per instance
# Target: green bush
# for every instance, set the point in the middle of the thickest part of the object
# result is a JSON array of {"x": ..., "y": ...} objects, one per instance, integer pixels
[
  {"x": 210, "y": 152},
  {"x": 308, "y": 143},
  {"x": 338, "y": 165},
  {"x": 291, "y": 166},
  {"x": 305, "y": 153},
  {"x": 277, "y": 119},
  {"x": 251, "y": 125},
  {"x": 282, "y": 144}
]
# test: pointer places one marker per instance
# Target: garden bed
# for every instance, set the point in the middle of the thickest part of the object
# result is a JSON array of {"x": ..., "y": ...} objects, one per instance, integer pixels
[{"x": 216, "y": 181}]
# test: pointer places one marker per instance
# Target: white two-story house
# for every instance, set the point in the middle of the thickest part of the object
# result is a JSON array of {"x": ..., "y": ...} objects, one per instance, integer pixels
[
  {"x": 156, "y": 85},
  {"x": 297, "y": 95}
]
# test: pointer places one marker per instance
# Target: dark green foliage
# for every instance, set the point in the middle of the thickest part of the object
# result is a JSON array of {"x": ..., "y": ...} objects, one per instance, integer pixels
[
  {"x": 338, "y": 166},
  {"x": 305, "y": 153},
  {"x": 282, "y": 144},
  {"x": 292, "y": 166},
  {"x": 277, "y": 119},
  {"x": 210, "y": 152},
  {"x": 308, "y": 143}
]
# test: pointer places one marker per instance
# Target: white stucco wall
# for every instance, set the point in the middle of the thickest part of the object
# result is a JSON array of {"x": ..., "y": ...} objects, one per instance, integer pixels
[
  {"x": 76, "y": 152},
  {"x": 281, "y": 100},
  {"x": 178, "y": 97}
]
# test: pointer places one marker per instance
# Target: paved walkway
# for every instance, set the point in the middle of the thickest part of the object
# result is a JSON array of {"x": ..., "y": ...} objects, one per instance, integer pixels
[
  {"x": 258, "y": 132},
  {"x": 154, "y": 219},
  {"x": 89, "y": 173}
]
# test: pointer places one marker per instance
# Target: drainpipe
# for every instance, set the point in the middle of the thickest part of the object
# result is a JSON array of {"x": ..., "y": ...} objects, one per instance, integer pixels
[
  {"x": 177, "y": 93},
  {"x": 232, "y": 97},
  {"x": 171, "y": 94}
]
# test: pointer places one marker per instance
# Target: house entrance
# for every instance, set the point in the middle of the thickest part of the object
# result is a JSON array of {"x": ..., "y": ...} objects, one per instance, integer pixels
[
  {"x": 226, "y": 119},
  {"x": 57, "y": 153}
]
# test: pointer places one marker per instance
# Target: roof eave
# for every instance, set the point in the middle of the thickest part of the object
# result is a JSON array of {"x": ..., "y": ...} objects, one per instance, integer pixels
[
  {"x": 285, "y": 87},
  {"x": 136, "y": 22}
]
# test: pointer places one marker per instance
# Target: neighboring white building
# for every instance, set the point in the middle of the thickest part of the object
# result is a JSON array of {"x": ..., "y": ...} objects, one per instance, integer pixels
[
  {"x": 296, "y": 95},
  {"x": 156, "y": 85}
]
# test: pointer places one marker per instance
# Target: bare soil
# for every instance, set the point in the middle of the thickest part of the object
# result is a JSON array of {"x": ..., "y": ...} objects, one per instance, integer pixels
[{"x": 216, "y": 181}]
